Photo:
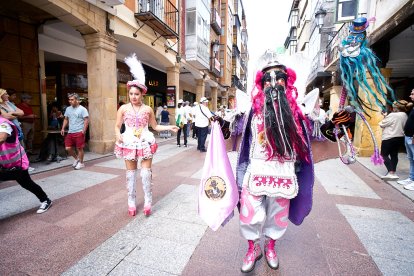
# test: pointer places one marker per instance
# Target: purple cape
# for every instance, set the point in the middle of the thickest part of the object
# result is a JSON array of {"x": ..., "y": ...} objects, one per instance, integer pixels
[{"x": 301, "y": 205}]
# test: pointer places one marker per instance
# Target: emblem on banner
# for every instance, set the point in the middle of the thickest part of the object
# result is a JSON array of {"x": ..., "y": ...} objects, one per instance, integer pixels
[{"x": 215, "y": 188}]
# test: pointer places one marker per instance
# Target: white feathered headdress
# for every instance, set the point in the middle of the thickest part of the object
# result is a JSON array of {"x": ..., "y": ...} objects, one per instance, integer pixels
[{"x": 136, "y": 69}]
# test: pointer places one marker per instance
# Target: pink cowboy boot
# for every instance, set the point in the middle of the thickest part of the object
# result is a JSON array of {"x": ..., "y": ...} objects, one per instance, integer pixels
[
  {"x": 147, "y": 210},
  {"x": 270, "y": 253},
  {"x": 254, "y": 253}
]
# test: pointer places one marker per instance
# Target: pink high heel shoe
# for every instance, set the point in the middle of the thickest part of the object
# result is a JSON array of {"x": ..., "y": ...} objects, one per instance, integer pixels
[
  {"x": 147, "y": 210},
  {"x": 132, "y": 211}
]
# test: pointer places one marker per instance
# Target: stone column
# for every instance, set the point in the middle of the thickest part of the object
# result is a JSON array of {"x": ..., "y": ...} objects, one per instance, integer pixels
[
  {"x": 173, "y": 79},
  {"x": 362, "y": 140},
  {"x": 102, "y": 90},
  {"x": 43, "y": 98},
  {"x": 214, "y": 98},
  {"x": 200, "y": 89}
]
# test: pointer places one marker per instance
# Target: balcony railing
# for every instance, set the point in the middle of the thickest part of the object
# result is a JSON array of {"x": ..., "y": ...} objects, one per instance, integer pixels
[
  {"x": 317, "y": 65},
  {"x": 160, "y": 15},
  {"x": 216, "y": 21},
  {"x": 235, "y": 82},
  {"x": 236, "y": 51},
  {"x": 215, "y": 66},
  {"x": 332, "y": 49},
  {"x": 243, "y": 64}
]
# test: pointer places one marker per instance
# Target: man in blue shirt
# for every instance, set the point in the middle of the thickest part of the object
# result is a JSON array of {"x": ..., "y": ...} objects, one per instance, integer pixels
[{"x": 77, "y": 117}]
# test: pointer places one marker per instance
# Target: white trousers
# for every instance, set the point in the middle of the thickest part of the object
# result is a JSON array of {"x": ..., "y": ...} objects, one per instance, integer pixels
[{"x": 263, "y": 215}]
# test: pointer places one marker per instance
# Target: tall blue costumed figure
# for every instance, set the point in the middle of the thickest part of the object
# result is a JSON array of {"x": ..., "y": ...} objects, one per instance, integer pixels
[{"x": 357, "y": 63}]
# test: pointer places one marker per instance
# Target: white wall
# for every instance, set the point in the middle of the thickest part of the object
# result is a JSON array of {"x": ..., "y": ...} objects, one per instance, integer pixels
[
  {"x": 61, "y": 39},
  {"x": 383, "y": 10}
]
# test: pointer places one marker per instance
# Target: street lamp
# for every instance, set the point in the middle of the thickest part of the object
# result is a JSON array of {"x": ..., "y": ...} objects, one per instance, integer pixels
[
  {"x": 216, "y": 45},
  {"x": 320, "y": 17}
]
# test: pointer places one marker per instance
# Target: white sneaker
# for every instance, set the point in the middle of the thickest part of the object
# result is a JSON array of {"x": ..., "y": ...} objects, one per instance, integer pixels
[
  {"x": 405, "y": 181},
  {"x": 30, "y": 169},
  {"x": 79, "y": 166},
  {"x": 409, "y": 187},
  {"x": 44, "y": 206},
  {"x": 75, "y": 163},
  {"x": 390, "y": 176}
]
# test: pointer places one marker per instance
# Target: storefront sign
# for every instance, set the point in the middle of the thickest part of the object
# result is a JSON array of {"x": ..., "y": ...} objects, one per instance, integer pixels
[
  {"x": 171, "y": 96},
  {"x": 152, "y": 83}
]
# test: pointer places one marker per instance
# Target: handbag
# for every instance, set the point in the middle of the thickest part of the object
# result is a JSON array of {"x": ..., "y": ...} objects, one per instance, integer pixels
[
  {"x": 178, "y": 122},
  {"x": 15, "y": 168}
]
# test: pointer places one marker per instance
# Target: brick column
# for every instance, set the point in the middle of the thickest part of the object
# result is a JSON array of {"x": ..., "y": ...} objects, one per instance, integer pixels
[
  {"x": 214, "y": 98},
  {"x": 102, "y": 90},
  {"x": 173, "y": 79},
  {"x": 200, "y": 89},
  {"x": 362, "y": 140}
]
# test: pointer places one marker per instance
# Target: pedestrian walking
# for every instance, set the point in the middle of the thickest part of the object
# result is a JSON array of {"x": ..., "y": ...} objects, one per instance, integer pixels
[
  {"x": 165, "y": 121},
  {"x": 27, "y": 121},
  {"x": 202, "y": 121},
  {"x": 77, "y": 118},
  {"x": 187, "y": 110},
  {"x": 14, "y": 163},
  {"x": 193, "y": 116},
  {"x": 158, "y": 113},
  {"x": 181, "y": 122},
  {"x": 275, "y": 168},
  {"x": 409, "y": 146},
  {"x": 393, "y": 136},
  {"x": 137, "y": 145}
]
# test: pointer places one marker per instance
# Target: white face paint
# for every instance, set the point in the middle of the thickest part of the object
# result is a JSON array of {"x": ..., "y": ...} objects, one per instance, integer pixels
[{"x": 352, "y": 47}]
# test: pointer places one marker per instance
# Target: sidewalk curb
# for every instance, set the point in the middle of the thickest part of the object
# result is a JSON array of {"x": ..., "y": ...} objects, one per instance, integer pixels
[{"x": 410, "y": 197}]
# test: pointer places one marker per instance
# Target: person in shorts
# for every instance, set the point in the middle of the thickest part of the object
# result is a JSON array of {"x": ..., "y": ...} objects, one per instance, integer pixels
[{"x": 77, "y": 117}]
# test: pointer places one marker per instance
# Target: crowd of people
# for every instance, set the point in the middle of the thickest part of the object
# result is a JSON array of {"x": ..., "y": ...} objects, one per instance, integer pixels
[{"x": 275, "y": 148}]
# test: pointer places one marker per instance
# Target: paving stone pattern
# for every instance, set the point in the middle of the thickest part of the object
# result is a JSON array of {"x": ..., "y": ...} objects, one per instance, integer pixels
[{"x": 359, "y": 224}]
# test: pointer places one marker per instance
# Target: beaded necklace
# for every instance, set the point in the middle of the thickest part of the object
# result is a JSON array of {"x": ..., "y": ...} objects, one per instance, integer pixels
[{"x": 137, "y": 130}]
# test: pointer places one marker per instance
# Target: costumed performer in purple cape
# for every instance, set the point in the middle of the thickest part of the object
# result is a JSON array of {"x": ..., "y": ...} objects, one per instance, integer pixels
[{"x": 275, "y": 166}]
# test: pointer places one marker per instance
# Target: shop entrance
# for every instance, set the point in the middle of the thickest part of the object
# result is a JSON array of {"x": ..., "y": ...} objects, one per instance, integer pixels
[
  {"x": 189, "y": 96},
  {"x": 149, "y": 100}
]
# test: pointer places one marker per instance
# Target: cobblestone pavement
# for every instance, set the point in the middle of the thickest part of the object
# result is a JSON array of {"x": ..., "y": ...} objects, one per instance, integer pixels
[{"x": 359, "y": 225}]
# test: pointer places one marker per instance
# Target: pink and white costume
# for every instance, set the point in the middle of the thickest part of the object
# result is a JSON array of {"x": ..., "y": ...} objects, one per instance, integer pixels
[
  {"x": 274, "y": 167},
  {"x": 137, "y": 143},
  {"x": 136, "y": 146},
  {"x": 266, "y": 211}
]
